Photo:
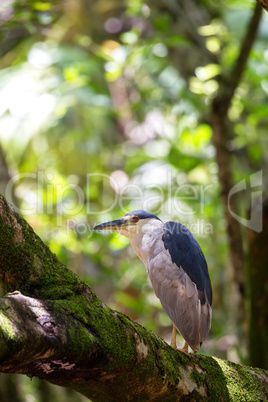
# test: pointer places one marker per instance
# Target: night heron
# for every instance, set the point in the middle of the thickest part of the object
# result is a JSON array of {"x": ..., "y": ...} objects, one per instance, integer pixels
[{"x": 177, "y": 269}]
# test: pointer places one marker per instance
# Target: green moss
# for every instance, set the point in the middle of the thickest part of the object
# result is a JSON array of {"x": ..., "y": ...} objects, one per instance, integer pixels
[
  {"x": 7, "y": 327},
  {"x": 242, "y": 384},
  {"x": 29, "y": 264},
  {"x": 198, "y": 378},
  {"x": 116, "y": 337},
  {"x": 8, "y": 335},
  {"x": 215, "y": 381}
]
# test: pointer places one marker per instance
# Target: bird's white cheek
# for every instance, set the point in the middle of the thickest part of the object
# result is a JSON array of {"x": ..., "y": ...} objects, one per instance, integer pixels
[{"x": 127, "y": 232}]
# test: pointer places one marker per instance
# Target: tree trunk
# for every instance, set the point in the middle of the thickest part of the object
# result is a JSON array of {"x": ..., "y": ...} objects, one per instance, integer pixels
[
  {"x": 222, "y": 133},
  {"x": 264, "y": 4},
  {"x": 258, "y": 290},
  {"x": 58, "y": 330}
]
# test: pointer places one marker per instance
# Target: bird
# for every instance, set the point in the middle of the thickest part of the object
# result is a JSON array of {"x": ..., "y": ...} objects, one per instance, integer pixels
[{"x": 177, "y": 269}]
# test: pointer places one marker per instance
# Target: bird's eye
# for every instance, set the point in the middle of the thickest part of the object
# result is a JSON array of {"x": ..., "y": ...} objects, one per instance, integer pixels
[{"x": 135, "y": 219}]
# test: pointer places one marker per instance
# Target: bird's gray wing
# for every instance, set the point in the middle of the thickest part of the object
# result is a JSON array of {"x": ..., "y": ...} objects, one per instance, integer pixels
[{"x": 179, "y": 296}]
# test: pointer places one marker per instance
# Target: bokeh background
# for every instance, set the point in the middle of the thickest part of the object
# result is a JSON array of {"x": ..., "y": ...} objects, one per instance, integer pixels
[{"x": 105, "y": 107}]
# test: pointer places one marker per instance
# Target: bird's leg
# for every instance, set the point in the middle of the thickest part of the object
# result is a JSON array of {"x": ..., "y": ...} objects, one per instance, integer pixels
[
  {"x": 173, "y": 341},
  {"x": 185, "y": 347}
]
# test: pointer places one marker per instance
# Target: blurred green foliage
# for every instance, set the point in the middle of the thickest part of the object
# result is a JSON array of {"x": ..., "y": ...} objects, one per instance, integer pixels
[{"x": 102, "y": 112}]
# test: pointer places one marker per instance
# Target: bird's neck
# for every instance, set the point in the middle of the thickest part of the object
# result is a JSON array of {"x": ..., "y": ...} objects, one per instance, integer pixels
[
  {"x": 141, "y": 246},
  {"x": 143, "y": 240}
]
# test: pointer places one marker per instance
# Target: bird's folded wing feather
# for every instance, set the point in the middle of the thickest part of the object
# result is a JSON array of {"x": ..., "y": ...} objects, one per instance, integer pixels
[
  {"x": 178, "y": 272},
  {"x": 179, "y": 298}
]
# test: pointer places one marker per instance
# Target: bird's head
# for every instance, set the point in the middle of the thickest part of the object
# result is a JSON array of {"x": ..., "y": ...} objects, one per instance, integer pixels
[{"x": 135, "y": 223}]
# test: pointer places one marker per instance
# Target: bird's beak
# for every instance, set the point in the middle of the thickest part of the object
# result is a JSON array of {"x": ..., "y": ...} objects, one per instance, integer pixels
[{"x": 113, "y": 225}]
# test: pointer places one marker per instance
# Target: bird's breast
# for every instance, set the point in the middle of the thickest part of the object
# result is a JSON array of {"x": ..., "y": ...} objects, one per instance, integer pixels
[
  {"x": 150, "y": 249},
  {"x": 161, "y": 270},
  {"x": 147, "y": 246}
]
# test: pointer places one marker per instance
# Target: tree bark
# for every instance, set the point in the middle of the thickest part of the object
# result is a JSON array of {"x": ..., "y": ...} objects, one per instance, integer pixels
[
  {"x": 56, "y": 328},
  {"x": 264, "y": 4},
  {"x": 258, "y": 290},
  {"x": 222, "y": 133}
]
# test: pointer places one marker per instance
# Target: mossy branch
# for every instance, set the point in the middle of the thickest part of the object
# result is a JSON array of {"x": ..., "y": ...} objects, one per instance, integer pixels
[{"x": 54, "y": 327}]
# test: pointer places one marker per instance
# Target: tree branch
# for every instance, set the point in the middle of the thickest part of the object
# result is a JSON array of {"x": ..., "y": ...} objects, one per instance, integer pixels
[{"x": 69, "y": 338}]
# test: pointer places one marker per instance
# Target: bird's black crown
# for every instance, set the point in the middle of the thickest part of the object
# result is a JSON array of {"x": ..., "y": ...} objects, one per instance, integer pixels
[{"x": 142, "y": 214}]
